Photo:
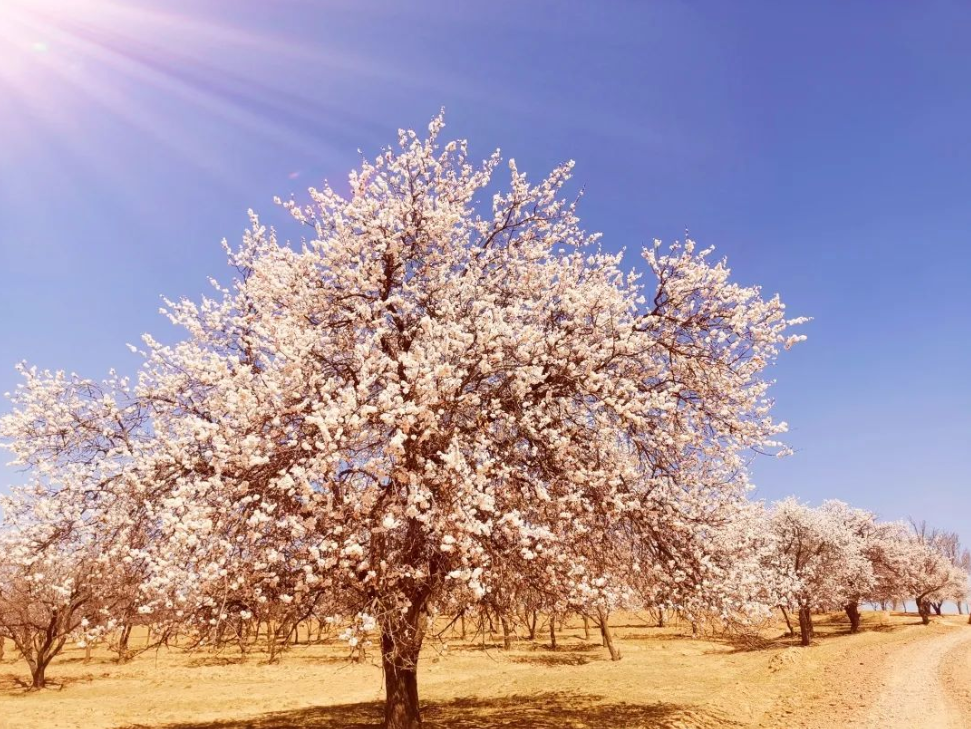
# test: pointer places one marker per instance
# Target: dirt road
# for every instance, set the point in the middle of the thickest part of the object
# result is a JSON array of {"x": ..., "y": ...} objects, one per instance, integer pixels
[{"x": 924, "y": 685}]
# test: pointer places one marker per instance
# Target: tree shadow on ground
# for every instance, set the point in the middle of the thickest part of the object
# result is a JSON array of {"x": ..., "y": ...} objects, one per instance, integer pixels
[
  {"x": 588, "y": 647},
  {"x": 288, "y": 657},
  {"x": 654, "y": 638},
  {"x": 554, "y": 710},
  {"x": 218, "y": 660},
  {"x": 825, "y": 630},
  {"x": 13, "y": 685},
  {"x": 567, "y": 658}
]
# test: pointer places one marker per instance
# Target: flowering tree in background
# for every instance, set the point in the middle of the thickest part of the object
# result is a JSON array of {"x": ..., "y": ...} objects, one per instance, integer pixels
[
  {"x": 827, "y": 558},
  {"x": 424, "y": 400},
  {"x": 743, "y": 576},
  {"x": 67, "y": 543},
  {"x": 867, "y": 542},
  {"x": 931, "y": 568},
  {"x": 949, "y": 545},
  {"x": 40, "y": 609}
]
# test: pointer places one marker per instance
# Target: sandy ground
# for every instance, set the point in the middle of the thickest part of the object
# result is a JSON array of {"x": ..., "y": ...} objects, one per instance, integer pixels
[
  {"x": 893, "y": 674},
  {"x": 913, "y": 690}
]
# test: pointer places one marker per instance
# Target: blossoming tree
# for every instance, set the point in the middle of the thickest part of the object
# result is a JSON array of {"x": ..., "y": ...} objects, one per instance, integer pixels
[
  {"x": 932, "y": 568},
  {"x": 68, "y": 544},
  {"x": 823, "y": 550},
  {"x": 429, "y": 397}
]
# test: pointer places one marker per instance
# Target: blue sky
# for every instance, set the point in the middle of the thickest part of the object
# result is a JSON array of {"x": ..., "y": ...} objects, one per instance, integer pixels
[{"x": 825, "y": 149}]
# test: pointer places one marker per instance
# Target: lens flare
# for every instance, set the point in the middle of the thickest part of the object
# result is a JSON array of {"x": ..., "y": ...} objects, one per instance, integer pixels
[{"x": 71, "y": 69}]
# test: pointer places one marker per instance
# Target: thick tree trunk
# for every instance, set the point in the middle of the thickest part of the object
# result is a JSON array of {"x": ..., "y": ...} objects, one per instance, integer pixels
[
  {"x": 785, "y": 614},
  {"x": 586, "y": 628},
  {"x": 532, "y": 621},
  {"x": 37, "y": 674},
  {"x": 853, "y": 613},
  {"x": 553, "y": 632},
  {"x": 608, "y": 639},
  {"x": 401, "y": 690},
  {"x": 399, "y": 658},
  {"x": 960, "y": 609},
  {"x": 938, "y": 607},
  {"x": 923, "y": 609},
  {"x": 660, "y": 617},
  {"x": 805, "y": 626}
]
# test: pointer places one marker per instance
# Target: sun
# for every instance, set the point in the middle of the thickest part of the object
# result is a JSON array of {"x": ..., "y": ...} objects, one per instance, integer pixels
[
  {"x": 32, "y": 27},
  {"x": 43, "y": 51}
]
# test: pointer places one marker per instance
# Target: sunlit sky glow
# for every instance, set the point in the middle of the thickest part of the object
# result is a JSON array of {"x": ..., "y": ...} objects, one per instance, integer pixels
[{"x": 825, "y": 151}]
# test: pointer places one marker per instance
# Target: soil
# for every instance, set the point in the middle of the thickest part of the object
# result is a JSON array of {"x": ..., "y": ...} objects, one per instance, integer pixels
[{"x": 894, "y": 673}]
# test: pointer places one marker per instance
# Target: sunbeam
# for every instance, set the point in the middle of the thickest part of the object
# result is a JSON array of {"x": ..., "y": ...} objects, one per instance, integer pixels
[{"x": 62, "y": 61}]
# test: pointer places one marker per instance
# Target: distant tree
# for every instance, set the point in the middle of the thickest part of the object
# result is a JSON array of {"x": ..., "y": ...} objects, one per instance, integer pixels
[
  {"x": 825, "y": 554},
  {"x": 732, "y": 576},
  {"x": 949, "y": 544},
  {"x": 69, "y": 550},
  {"x": 869, "y": 580},
  {"x": 933, "y": 568}
]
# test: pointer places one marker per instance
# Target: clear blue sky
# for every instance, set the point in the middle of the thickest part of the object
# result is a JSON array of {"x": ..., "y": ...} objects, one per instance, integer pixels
[{"x": 826, "y": 150}]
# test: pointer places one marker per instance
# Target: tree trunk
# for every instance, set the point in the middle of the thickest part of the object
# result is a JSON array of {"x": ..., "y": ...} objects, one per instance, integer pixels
[
  {"x": 938, "y": 607},
  {"x": 553, "y": 632},
  {"x": 462, "y": 619},
  {"x": 271, "y": 646},
  {"x": 506, "y": 634},
  {"x": 123, "y": 654},
  {"x": 586, "y": 628},
  {"x": 785, "y": 614},
  {"x": 531, "y": 623},
  {"x": 923, "y": 609},
  {"x": 399, "y": 658},
  {"x": 853, "y": 613},
  {"x": 37, "y": 671},
  {"x": 805, "y": 625},
  {"x": 242, "y": 639},
  {"x": 660, "y": 617},
  {"x": 608, "y": 639}
]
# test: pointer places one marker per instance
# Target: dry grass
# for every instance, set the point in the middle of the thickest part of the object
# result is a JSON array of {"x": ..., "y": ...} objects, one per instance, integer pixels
[{"x": 666, "y": 679}]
